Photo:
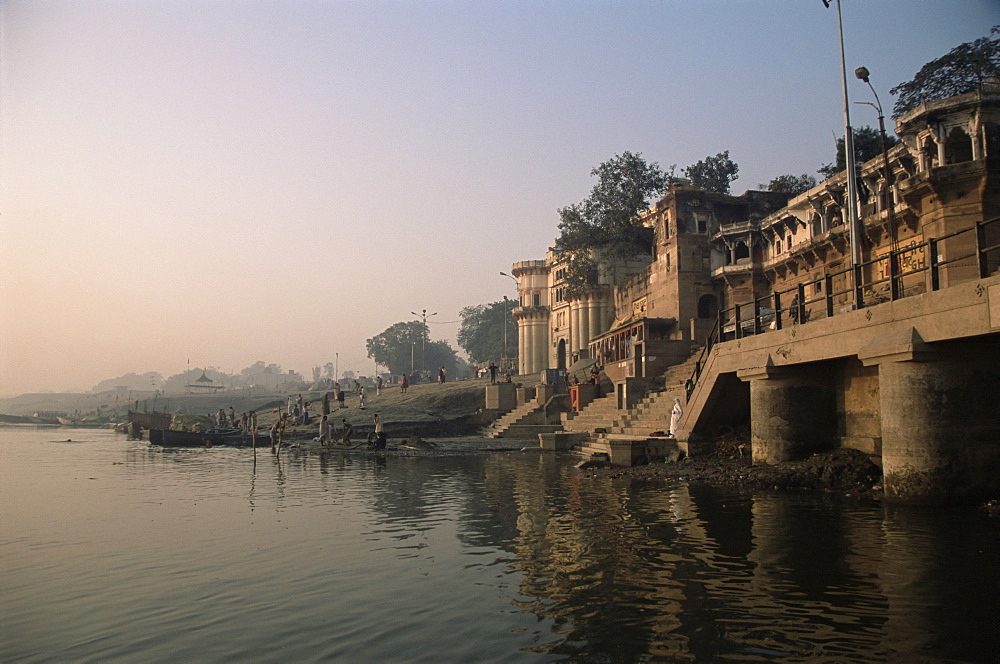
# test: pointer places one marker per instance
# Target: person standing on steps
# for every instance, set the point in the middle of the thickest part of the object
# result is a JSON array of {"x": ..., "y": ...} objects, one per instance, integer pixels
[{"x": 675, "y": 417}]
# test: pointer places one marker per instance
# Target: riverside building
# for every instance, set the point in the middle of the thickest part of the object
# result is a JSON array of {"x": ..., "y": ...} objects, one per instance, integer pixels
[{"x": 896, "y": 356}]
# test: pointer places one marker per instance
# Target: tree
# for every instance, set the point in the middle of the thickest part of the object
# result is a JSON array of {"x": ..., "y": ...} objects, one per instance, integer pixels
[
  {"x": 400, "y": 344},
  {"x": 962, "y": 70},
  {"x": 607, "y": 223},
  {"x": 482, "y": 333},
  {"x": 393, "y": 347},
  {"x": 790, "y": 184},
  {"x": 713, "y": 173},
  {"x": 867, "y": 146}
]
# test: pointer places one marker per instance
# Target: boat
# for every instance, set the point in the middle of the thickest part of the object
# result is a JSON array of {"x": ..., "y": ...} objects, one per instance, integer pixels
[
  {"x": 153, "y": 420},
  {"x": 210, "y": 438},
  {"x": 98, "y": 421}
]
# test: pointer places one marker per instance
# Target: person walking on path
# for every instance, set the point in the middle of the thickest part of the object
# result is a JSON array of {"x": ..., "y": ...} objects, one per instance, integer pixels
[
  {"x": 361, "y": 397},
  {"x": 378, "y": 386},
  {"x": 340, "y": 398},
  {"x": 441, "y": 375},
  {"x": 404, "y": 384}
]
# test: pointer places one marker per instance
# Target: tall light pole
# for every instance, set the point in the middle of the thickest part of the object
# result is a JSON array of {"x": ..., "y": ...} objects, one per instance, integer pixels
[
  {"x": 423, "y": 342},
  {"x": 863, "y": 74},
  {"x": 852, "y": 196},
  {"x": 505, "y": 316},
  {"x": 505, "y": 331}
]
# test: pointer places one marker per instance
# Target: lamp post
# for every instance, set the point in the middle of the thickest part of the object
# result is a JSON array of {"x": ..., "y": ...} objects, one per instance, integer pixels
[
  {"x": 505, "y": 315},
  {"x": 852, "y": 196},
  {"x": 863, "y": 74},
  {"x": 423, "y": 342},
  {"x": 505, "y": 331}
]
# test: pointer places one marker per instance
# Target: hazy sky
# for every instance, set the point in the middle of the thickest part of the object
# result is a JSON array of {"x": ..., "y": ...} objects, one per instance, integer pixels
[{"x": 226, "y": 181}]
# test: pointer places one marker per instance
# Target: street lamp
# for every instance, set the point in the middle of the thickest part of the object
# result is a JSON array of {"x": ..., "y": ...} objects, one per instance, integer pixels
[
  {"x": 505, "y": 331},
  {"x": 852, "y": 197},
  {"x": 505, "y": 316},
  {"x": 863, "y": 74},
  {"x": 423, "y": 342}
]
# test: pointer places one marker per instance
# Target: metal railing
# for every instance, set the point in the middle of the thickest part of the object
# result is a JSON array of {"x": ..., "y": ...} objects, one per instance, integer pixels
[{"x": 964, "y": 255}]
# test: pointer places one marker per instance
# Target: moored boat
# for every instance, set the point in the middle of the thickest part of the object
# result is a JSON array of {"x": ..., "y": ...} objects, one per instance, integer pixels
[{"x": 210, "y": 438}]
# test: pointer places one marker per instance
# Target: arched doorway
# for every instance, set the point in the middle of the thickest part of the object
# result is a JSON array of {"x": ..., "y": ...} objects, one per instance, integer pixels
[
  {"x": 708, "y": 306},
  {"x": 561, "y": 355}
]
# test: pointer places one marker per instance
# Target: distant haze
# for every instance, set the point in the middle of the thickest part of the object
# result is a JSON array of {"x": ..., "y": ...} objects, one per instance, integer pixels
[{"x": 225, "y": 182}]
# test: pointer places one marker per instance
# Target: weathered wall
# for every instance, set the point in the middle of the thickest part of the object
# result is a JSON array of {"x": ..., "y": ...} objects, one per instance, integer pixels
[{"x": 859, "y": 415}]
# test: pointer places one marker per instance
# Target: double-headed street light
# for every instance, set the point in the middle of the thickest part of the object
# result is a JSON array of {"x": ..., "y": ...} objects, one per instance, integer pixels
[
  {"x": 423, "y": 342},
  {"x": 505, "y": 316}
]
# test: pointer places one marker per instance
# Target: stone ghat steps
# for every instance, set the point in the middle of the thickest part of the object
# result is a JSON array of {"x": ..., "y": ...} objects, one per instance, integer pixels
[
  {"x": 526, "y": 413},
  {"x": 597, "y": 414}
]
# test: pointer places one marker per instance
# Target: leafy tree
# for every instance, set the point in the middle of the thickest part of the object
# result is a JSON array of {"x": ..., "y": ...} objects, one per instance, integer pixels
[
  {"x": 482, "y": 332},
  {"x": 790, "y": 184},
  {"x": 713, "y": 173},
  {"x": 962, "y": 70},
  {"x": 607, "y": 223},
  {"x": 867, "y": 145},
  {"x": 394, "y": 348}
]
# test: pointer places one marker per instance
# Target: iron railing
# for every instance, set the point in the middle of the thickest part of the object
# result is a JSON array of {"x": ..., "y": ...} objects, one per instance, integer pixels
[{"x": 949, "y": 260}]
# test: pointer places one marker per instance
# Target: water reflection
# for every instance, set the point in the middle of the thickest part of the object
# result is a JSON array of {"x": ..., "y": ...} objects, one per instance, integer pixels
[
  {"x": 492, "y": 557},
  {"x": 636, "y": 570}
]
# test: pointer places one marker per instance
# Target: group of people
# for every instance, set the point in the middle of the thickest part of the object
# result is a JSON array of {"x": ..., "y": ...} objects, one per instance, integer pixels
[
  {"x": 246, "y": 422},
  {"x": 328, "y": 434},
  {"x": 298, "y": 410}
]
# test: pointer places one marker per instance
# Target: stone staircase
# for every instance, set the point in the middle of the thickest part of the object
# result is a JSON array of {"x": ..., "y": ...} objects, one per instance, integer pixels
[
  {"x": 652, "y": 414},
  {"x": 525, "y": 421},
  {"x": 624, "y": 436}
]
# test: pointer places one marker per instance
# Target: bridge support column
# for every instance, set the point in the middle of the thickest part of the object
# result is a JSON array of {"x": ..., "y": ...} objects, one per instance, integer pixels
[
  {"x": 792, "y": 410},
  {"x": 940, "y": 417}
]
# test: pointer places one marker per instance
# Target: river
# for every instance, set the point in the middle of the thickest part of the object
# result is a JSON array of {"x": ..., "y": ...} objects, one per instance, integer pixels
[{"x": 115, "y": 551}]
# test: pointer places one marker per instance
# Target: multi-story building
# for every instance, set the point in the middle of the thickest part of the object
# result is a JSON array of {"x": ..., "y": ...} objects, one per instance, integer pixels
[{"x": 787, "y": 259}]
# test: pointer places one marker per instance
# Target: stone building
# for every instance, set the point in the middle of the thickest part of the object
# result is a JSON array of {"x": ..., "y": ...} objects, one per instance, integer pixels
[{"x": 783, "y": 260}]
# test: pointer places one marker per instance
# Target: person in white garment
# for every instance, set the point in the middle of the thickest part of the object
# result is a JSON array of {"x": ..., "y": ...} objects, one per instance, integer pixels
[{"x": 675, "y": 416}]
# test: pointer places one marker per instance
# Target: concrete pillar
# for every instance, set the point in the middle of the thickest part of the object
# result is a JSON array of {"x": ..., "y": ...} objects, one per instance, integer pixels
[
  {"x": 501, "y": 397},
  {"x": 541, "y": 350},
  {"x": 792, "y": 410},
  {"x": 595, "y": 319},
  {"x": 574, "y": 327},
  {"x": 940, "y": 409}
]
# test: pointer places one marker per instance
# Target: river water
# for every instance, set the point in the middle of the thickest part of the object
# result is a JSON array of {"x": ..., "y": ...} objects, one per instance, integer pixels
[{"x": 114, "y": 551}]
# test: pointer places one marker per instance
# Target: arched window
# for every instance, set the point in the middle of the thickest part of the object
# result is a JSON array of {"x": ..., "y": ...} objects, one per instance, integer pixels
[
  {"x": 958, "y": 147},
  {"x": 741, "y": 251},
  {"x": 708, "y": 306}
]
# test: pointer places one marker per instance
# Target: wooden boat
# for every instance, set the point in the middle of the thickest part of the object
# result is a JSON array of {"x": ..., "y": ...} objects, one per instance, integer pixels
[
  {"x": 96, "y": 421},
  {"x": 210, "y": 438},
  {"x": 153, "y": 420}
]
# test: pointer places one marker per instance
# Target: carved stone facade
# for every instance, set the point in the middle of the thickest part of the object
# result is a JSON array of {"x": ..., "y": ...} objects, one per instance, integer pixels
[{"x": 715, "y": 252}]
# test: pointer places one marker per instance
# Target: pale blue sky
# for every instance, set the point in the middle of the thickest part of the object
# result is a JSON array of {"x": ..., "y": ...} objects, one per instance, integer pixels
[{"x": 227, "y": 181}]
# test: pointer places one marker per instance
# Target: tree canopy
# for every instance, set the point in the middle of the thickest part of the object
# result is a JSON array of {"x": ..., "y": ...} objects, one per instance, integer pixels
[
  {"x": 867, "y": 145},
  {"x": 713, "y": 173},
  {"x": 482, "y": 332},
  {"x": 406, "y": 346},
  {"x": 790, "y": 184},
  {"x": 607, "y": 222},
  {"x": 961, "y": 70}
]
